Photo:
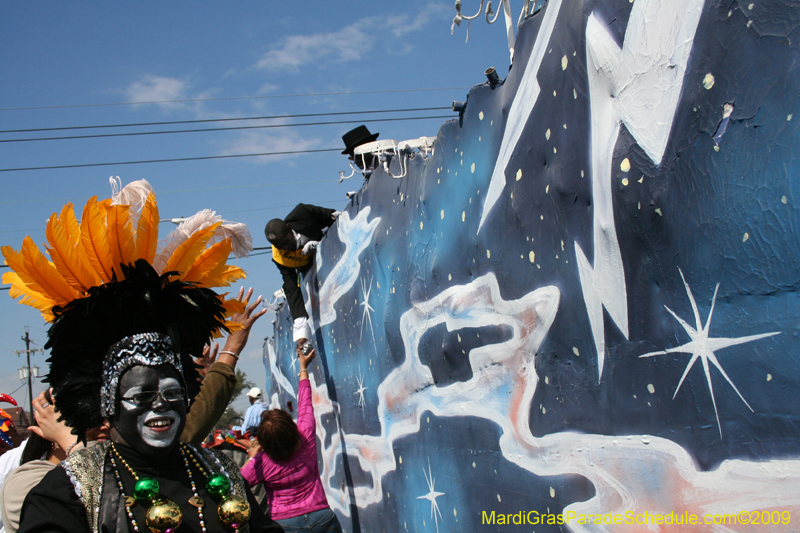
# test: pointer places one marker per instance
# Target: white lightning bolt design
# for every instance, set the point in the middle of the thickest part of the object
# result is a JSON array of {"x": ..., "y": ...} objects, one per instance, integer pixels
[
  {"x": 357, "y": 235},
  {"x": 521, "y": 107},
  {"x": 639, "y": 86},
  {"x": 432, "y": 495},
  {"x": 703, "y": 347}
]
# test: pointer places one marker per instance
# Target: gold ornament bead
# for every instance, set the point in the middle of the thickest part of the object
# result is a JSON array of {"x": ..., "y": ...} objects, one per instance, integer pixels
[
  {"x": 164, "y": 516},
  {"x": 234, "y": 511}
]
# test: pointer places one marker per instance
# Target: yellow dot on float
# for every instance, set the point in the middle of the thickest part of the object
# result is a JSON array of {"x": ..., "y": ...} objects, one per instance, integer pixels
[
  {"x": 625, "y": 166},
  {"x": 519, "y": 175}
]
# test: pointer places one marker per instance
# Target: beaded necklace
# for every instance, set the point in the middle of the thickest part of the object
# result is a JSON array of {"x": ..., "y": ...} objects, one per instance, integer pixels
[{"x": 164, "y": 515}]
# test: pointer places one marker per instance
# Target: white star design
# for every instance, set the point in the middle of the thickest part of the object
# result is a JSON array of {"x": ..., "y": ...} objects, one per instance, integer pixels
[
  {"x": 367, "y": 309},
  {"x": 361, "y": 389},
  {"x": 703, "y": 347},
  {"x": 432, "y": 495}
]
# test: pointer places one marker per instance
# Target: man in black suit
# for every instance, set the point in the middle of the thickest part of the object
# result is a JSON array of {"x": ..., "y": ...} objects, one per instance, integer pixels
[{"x": 294, "y": 240}]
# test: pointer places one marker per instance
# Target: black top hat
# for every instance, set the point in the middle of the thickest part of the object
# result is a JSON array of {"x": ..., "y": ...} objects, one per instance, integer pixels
[{"x": 357, "y": 137}]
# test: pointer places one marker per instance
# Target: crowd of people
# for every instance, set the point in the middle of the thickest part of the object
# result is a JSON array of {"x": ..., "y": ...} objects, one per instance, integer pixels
[{"x": 137, "y": 382}]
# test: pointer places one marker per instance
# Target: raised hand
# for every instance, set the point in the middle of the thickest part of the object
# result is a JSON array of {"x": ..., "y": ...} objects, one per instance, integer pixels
[{"x": 237, "y": 340}]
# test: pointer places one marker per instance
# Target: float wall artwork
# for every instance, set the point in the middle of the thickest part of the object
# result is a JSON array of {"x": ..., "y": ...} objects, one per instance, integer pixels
[{"x": 585, "y": 301}]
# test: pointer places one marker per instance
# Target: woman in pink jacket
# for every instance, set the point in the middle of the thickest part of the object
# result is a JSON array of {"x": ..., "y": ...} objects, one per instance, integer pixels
[{"x": 285, "y": 461}]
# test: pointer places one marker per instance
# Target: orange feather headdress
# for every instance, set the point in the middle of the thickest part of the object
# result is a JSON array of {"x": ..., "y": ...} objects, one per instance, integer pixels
[
  {"x": 119, "y": 231},
  {"x": 107, "y": 279}
]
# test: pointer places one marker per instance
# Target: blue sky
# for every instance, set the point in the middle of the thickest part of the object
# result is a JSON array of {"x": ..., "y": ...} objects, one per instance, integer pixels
[{"x": 69, "y": 61}]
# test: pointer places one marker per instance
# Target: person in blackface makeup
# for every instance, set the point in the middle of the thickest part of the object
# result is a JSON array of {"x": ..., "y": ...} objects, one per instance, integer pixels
[
  {"x": 152, "y": 410},
  {"x": 128, "y": 321},
  {"x": 144, "y": 477}
]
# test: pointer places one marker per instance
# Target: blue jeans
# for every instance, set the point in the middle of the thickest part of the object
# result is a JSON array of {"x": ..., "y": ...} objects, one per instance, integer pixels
[{"x": 322, "y": 521}]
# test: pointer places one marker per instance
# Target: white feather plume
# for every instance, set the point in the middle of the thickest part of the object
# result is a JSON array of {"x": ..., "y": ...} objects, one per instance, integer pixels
[
  {"x": 240, "y": 237},
  {"x": 133, "y": 194},
  {"x": 201, "y": 219}
]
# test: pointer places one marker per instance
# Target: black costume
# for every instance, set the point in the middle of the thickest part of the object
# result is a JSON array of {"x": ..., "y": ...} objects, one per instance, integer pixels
[
  {"x": 309, "y": 221},
  {"x": 54, "y": 506}
]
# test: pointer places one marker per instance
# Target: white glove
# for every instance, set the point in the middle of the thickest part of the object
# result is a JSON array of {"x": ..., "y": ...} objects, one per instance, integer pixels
[
  {"x": 335, "y": 214},
  {"x": 310, "y": 247},
  {"x": 300, "y": 329}
]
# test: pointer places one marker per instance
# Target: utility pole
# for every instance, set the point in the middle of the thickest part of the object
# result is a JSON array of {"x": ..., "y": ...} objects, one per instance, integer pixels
[{"x": 27, "y": 351}]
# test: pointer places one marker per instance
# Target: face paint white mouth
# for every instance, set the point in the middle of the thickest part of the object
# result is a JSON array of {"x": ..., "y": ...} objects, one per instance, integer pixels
[{"x": 158, "y": 429}]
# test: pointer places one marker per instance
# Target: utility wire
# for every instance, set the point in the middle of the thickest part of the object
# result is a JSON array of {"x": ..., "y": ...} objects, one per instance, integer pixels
[
  {"x": 200, "y": 130},
  {"x": 39, "y": 200},
  {"x": 199, "y": 121},
  {"x": 170, "y": 160},
  {"x": 236, "y": 98}
]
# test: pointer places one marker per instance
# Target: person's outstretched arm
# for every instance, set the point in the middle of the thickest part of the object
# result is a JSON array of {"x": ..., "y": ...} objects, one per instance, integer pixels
[
  {"x": 305, "y": 408},
  {"x": 217, "y": 389}
]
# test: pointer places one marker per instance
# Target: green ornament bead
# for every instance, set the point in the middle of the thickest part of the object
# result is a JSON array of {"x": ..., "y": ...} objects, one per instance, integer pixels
[
  {"x": 146, "y": 489},
  {"x": 218, "y": 486}
]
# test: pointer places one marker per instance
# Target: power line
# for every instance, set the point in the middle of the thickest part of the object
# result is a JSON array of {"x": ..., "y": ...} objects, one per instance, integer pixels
[
  {"x": 171, "y": 160},
  {"x": 235, "y": 98},
  {"x": 173, "y": 191},
  {"x": 226, "y": 212},
  {"x": 201, "y": 130},
  {"x": 199, "y": 121},
  {"x": 18, "y": 388}
]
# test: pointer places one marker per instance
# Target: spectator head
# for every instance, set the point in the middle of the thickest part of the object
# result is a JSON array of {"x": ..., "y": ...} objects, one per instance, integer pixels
[
  {"x": 280, "y": 235},
  {"x": 254, "y": 395},
  {"x": 278, "y": 435}
]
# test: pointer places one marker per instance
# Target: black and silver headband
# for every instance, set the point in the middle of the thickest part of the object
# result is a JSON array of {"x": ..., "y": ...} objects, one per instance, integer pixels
[{"x": 146, "y": 349}]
